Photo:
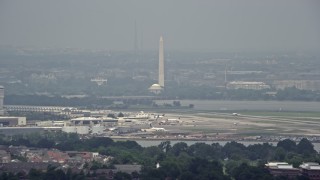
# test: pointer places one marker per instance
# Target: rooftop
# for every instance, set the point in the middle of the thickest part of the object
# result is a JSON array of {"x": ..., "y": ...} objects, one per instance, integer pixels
[
  {"x": 247, "y": 83},
  {"x": 155, "y": 87},
  {"x": 279, "y": 165},
  {"x": 310, "y": 165}
]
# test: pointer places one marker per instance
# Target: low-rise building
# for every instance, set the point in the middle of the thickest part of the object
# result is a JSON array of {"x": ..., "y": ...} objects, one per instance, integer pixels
[
  {"x": 25, "y": 167},
  {"x": 82, "y": 156},
  {"x": 299, "y": 84},
  {"x": 247, "y": 85},
  {"x": 5, "y": 157},
  {"x": 282, "y": 169},
  {"x": 311, "y": 170},
  {"x": 128, "y": 168},
  {"x": 13, "y": 121}
]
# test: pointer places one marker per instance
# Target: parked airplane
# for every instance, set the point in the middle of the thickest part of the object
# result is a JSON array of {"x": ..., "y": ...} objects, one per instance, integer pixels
[{"x": 154, "y": 129}]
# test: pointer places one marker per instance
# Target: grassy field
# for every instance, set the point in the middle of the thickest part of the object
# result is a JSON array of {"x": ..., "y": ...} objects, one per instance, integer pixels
[
  {"x": 246, "y": 123},
  {"x": 282, "y": 114}
]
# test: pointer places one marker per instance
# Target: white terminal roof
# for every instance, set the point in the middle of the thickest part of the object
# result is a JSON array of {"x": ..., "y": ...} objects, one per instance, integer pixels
[
  {"x": 247, "y": 82},
  {"x": 287, "y": 166},
  {"x": 86, "y": 119},
  {"x": 279, "y": 165}
]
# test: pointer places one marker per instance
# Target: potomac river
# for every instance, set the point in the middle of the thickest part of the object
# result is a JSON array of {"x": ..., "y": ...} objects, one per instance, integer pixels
[{"x": 148, "y": 143}]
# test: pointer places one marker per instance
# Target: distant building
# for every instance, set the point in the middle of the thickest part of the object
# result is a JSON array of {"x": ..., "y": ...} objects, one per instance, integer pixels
[
  {"x": 99, "y": 80},
  {"x": 128, "y": 168},
  {"x": 156, "y": 89},
  {"x": 50, "y": 123},
  {"x": 10, "y": 131},
  {"x": 88, "y": 121},
  {"x": 308, "y": 169},
  {"x": 247, "y": 85},
  {"x": 13, "y": 121},
  {"x": 51, "y": 109},
  {"x": 299, "y": 84},
  {"x": 25, "y": 167},
  {"x": 311, "y": 170},
  {"x": 282, "y": 169},
  {"x": 5, "y": 157}
]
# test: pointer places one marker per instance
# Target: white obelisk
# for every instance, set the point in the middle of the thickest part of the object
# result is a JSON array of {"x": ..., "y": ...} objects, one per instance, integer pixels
[
  {"x": 1, "y": 100},
  {"x": 161, "y": 63}
]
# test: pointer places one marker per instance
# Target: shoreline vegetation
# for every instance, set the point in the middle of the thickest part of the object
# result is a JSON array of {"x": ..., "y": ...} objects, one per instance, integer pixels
[{"x": 176, "y": 161}]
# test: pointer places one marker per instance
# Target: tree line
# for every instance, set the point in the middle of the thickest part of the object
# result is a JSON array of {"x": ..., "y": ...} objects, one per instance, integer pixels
[{"x": 180, "y": 161}]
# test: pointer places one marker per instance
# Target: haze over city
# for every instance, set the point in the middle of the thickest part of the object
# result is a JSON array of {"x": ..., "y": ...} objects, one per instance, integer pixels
[
  {"x": 214, "y": 26},
  {"x": 168, "y": 89}
]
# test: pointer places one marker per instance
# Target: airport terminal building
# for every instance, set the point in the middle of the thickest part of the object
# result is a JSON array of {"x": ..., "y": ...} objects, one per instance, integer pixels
[{"x": 12, "y": 121}]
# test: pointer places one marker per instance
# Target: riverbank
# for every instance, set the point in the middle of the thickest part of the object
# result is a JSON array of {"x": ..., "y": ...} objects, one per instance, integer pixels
[{"x": 147, "y": 142}]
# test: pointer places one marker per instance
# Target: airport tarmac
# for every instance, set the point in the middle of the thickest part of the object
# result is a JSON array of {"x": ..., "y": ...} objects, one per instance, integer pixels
[{"x": 238, "y": 124}]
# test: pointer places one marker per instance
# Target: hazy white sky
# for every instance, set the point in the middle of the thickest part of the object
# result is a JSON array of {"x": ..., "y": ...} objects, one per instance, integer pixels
[{"x": 209, "y": 25}]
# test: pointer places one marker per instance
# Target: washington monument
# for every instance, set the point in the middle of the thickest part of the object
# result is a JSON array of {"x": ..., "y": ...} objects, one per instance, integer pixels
[
  {"x": 158, "y": 88},
  {"x": 161, "y": 63}
]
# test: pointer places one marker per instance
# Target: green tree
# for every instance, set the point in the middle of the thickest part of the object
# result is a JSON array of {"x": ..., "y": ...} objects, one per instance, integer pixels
[
  {"x": 179, "y": 148},
  {"x": 35, "y": 174},
  {"x": 120, "y": 114},
  {"x": 245, "y": 172},
  {"x": 122, "y": 176},
  {"x": 45, "y": 143},
  {"x": 287, "y": 145},
  {"x": 111, "y": 115},
  {"x": 152, "y": 151},
  {"x": 260, "y": 151},
  {"x": 201, "y": 150},
  {"x": 235, "y": 150},
  {"x": 191, "y": 106},
  {"x": 176, "y": 103},
  {"x": 165, "y": 146},
  {"x": 186, "y": 175},
  {"x": 295, "y": 159},
  {"x": 279, "y": 154},
  {"x": 171, "y": 169},
  {"x": 204, "y": 169},
  {"x": 305, "y": 147}
]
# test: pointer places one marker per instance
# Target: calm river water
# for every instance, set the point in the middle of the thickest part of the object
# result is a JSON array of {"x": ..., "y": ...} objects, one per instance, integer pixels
[{"x": 148, "y": 143}]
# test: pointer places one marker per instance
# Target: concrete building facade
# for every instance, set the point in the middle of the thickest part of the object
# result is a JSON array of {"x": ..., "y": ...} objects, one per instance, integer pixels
[
  {"x": 247, "y": 85},
  {"x": 299, "y": 84},
  {"x": 13, "y": 121}
]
